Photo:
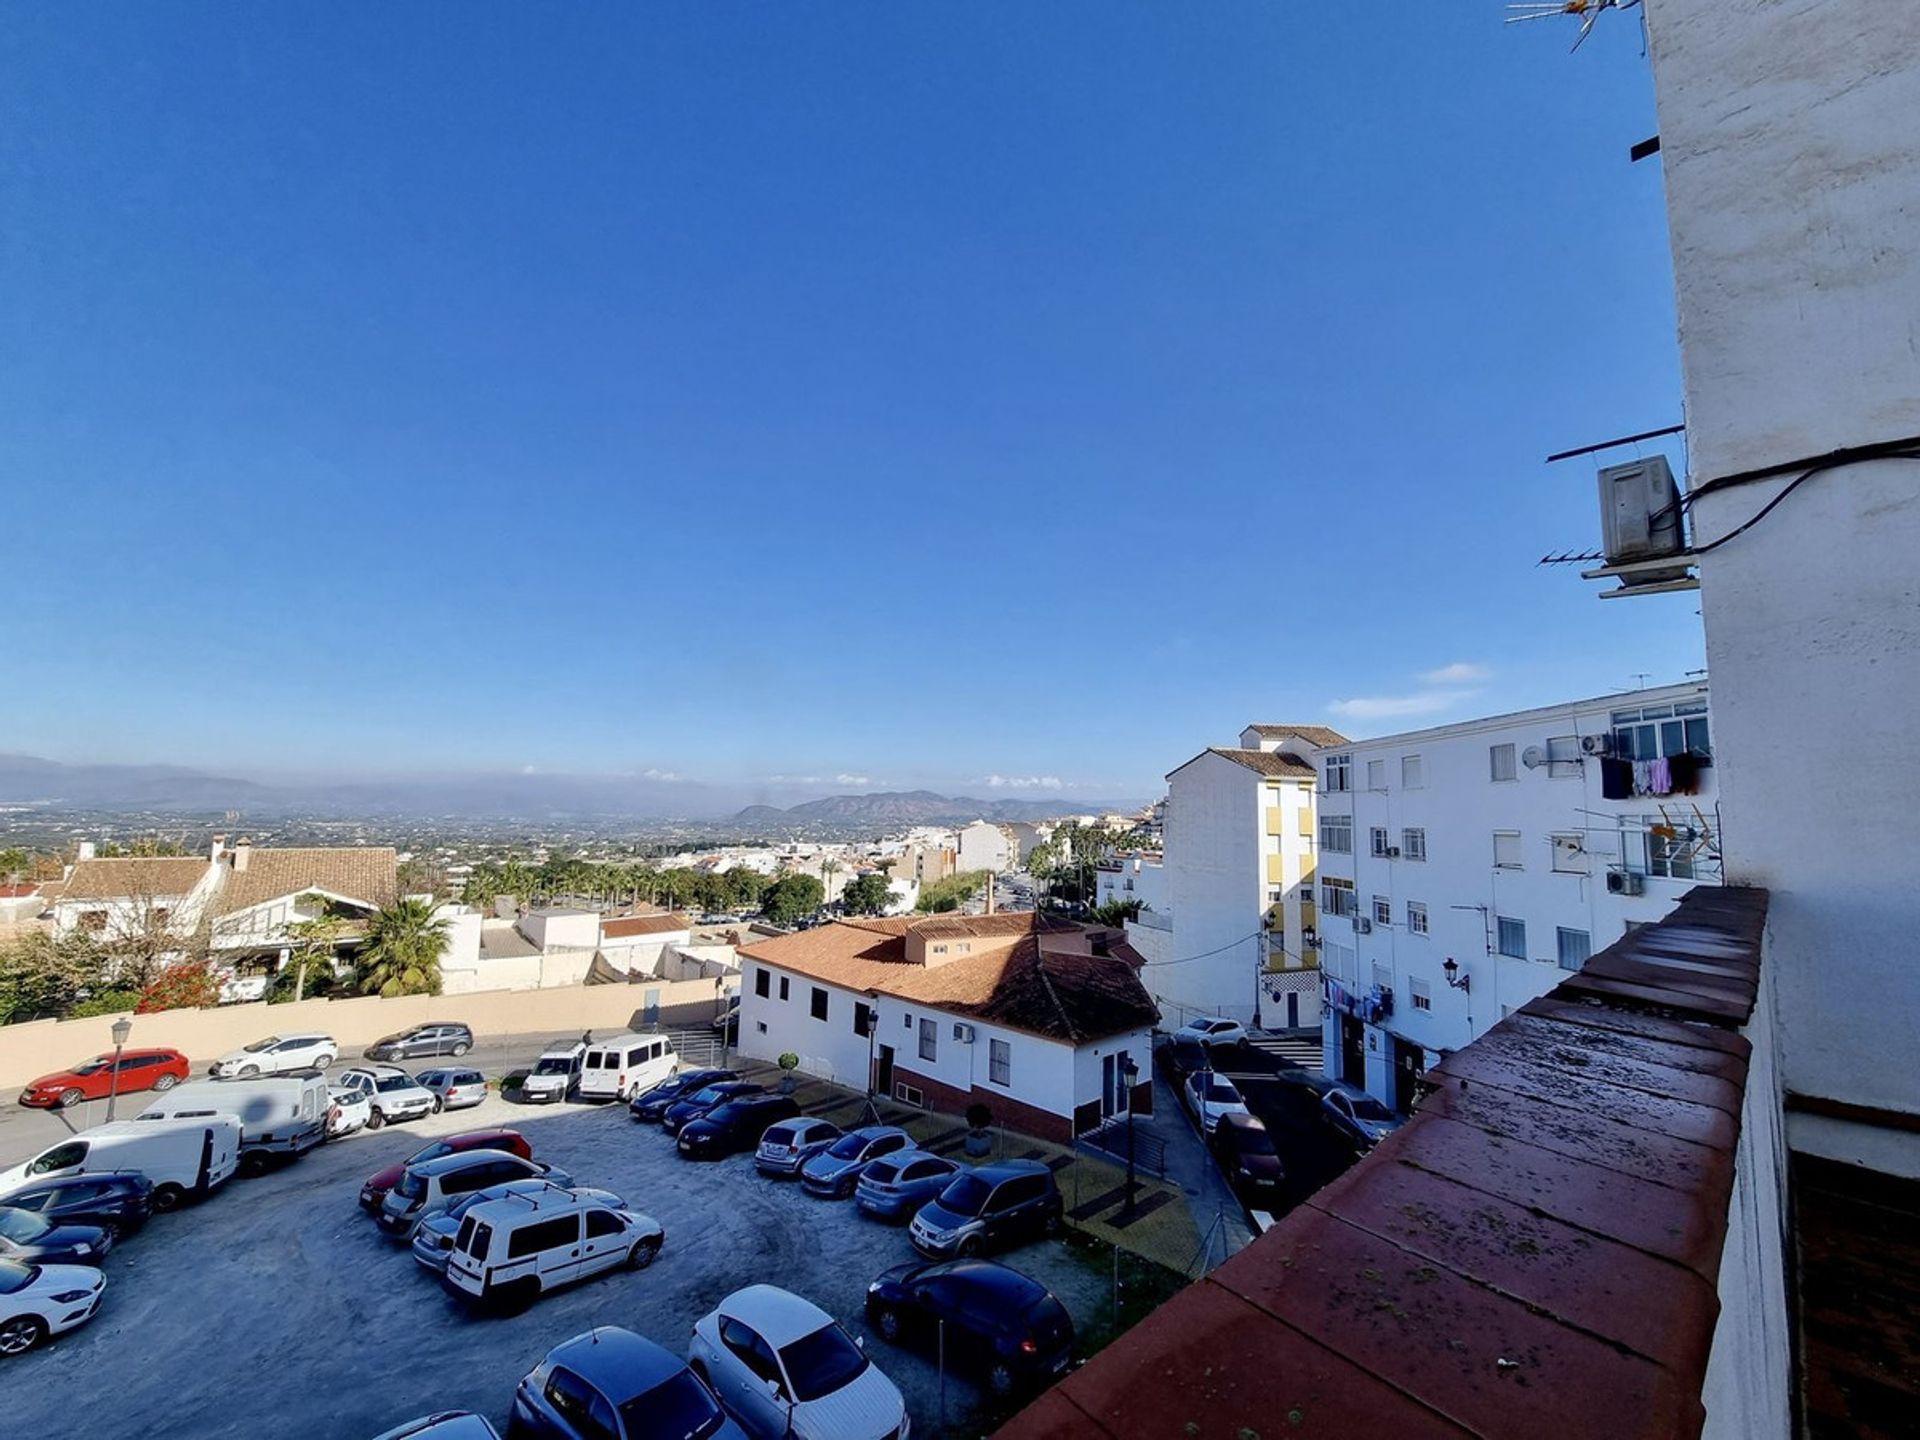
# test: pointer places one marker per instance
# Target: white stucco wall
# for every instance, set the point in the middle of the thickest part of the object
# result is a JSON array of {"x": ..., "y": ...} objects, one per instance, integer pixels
[
  {"x": 1793, "y": 179},
  {"x": 1215, "y": 890},
  {"x": 983, "y": 846}
]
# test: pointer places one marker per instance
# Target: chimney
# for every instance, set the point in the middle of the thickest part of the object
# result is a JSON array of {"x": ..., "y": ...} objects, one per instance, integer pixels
[
  {"x": 84, "y": 851},
  {"x": 242, "y": 852},
  {"x": 992, "y": 879},
  {"x": 219, "y": 849}
]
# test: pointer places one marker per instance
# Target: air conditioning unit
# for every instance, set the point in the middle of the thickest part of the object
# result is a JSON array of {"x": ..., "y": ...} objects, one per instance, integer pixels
[
  {"x": 1393, "y": 852},
  {"x": 1596, "y": 744},
  {"x": 1362, "y": 925},
  {"x": 1639, "y": 511},
  {"x": 963, "y": 1032},
  {"x": 1626, "y": 882}
]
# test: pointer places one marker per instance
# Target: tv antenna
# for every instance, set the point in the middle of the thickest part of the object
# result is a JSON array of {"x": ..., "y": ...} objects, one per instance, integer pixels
[{"x": 1588, "y": 10}]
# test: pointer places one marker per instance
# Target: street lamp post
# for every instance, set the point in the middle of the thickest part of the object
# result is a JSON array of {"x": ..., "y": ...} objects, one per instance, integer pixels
[
  {"x": 122, "y": 1028},
  {"x": 1128, "y": 1072}
]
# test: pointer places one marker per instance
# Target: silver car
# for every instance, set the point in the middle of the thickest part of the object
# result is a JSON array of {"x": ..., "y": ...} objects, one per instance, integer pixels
[
  {"x": 454, "y": 1088},
  {"x": 835, "y": 1171},
  {"x": 785, "y": 1147}
]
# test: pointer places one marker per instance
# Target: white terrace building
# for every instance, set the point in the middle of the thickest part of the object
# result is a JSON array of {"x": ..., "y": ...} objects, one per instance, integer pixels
[
  {"x": 1511, "y": 847},
  {"x": 1035, "y": 1018}
]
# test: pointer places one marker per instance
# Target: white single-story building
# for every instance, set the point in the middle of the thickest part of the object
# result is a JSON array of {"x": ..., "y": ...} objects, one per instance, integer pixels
[{"x": 1035, "y": 1018}]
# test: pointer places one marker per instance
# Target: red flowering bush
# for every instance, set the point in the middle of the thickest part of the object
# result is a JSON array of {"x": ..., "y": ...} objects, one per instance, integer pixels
[{"x": 187, "y": 986}]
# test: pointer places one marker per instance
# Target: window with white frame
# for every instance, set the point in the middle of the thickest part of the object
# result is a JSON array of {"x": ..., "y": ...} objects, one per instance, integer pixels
[
  {"x": 1337, "y": 897},
  {"x": 1674, "y": 855},
  {"x": 1420, "y": 992},
  {"x": 1377, "y": 837},
  {"x": 1500, "y": 761},
  {"x": 1512, "y": 937},
  {"x": 1563, "y": 757},
  {"x": 1000, "y": 1062},
  {"x": 1376, "y": 774},
  {"x": 1383, "y": 975},
  {"x": 1336, "y": 834},
  {"x": 1382, "y": 910},
  {"x": 1570, "y": 854},
  {"x": 1416, "y": 917},
  {"x": 1574, "y": 947},
  {"x": 929, "y": 1039},
  {"x": 1413, "y": 843},
  {"x": 1663, "y": 731},
  {"x": 1339, "y": 772},
  {"x": 1413, "y": 772},
  {"x": 1506, "y": 849}
]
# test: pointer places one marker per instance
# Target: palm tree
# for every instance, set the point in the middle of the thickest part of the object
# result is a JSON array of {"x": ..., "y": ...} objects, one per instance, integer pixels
[{"x": 403, "y": 949}]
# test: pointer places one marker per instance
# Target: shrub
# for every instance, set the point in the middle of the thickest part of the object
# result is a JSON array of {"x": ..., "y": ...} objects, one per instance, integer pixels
[
  {"x": 105, "y": 1002},
  {"x": 187, "y": 986},
  {"x": 789, "y": 1062},
  {"x": 979, "y": 1117}
]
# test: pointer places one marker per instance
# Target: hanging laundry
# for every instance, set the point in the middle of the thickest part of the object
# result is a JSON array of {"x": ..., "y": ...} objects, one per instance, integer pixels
[
  {"x": 1643, "y": 777},
  {"x": 1686, "y": 773},
  {"x": 1659, "y": 777},
  {"x": 1616, "y": 778}
]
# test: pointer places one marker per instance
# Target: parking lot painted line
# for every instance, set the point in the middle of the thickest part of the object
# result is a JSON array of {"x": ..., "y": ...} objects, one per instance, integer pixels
[{"x": 1142, "y": 1208}]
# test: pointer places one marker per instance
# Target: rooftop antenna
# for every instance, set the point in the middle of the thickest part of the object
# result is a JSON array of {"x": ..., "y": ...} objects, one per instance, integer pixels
[{"x": 1588, "y": 10}]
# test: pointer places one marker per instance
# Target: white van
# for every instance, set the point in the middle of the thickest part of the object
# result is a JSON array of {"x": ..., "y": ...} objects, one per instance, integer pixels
[
  {"x": 620, "y": 1068},
  {"x": 555, "y": 1075},
  {"x": 278, "y": 1114},
  {"x": 521, "y": 1246},
  {"x": 180, "y": 1157}
]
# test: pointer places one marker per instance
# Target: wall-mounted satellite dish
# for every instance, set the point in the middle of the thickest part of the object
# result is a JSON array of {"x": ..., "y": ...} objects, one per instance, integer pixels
[{"x": 1533, "y": 757}]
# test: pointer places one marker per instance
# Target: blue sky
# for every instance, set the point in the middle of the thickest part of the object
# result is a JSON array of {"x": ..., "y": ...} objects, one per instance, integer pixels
[{"x": 853, "y": 393}]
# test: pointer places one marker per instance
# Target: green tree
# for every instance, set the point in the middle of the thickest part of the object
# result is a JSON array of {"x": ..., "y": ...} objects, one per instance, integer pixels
[
  {"x": 315, "y": 941},
  {"x": 866, "y": 894},
  {"x": 44, "y": 977},
  {"x": 939, "y": 896},
  {"x": 403, "y": 949},
  {"x": 16, "y": 864},
  {"x": 1116, "y": 912},
  {"x": 793, "y": 897}
]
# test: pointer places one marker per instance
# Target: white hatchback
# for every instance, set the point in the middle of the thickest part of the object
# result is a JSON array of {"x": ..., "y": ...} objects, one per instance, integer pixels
[
  {"x": 41, "y": 1300},
  {"x": 1211, "y": 1095},
  {"x": 782, "y": 1366},
  {"x": 276, "y": 1055},
  {"x": 348, "y": 1110}
]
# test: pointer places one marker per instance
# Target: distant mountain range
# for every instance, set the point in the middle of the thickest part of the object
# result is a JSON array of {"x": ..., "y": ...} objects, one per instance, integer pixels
[
  {"x": 917, "y": 807},
  {"x": 27, "y": 779}
]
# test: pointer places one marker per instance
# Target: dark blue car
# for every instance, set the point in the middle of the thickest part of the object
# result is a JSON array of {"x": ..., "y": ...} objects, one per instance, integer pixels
[
  {"x": 34, "y": 1240},
  {"x": 611, "y": 1384},
  {"x": 987, "y": 1320},
  {"x": 711, "y": 1097},
  {"x": 652, "y": 1104}
]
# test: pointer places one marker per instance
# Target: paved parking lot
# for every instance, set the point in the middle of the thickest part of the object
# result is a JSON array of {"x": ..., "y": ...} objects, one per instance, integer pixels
[{"x": 276, "y": 1307}]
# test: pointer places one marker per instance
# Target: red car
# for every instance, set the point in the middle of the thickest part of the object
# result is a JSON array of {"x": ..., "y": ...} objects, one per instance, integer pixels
[
  {"x": 381, "y": 1181},
  {"x": 93, "y": 1079}
]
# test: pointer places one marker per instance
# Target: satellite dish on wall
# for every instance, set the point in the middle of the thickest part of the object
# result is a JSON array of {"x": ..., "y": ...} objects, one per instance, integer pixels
[{"x": 1533, "y": 757}]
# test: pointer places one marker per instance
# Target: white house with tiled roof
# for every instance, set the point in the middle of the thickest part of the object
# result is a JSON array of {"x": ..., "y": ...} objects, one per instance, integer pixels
[{"x": 1035, "y": 1018}]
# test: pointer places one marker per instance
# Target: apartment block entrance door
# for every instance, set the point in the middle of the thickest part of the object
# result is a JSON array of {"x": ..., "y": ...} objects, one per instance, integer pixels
[
  {"x": 883, "y": 1072},
  {"x": 1114, "y": 1097},
  {"x": 1353, "y": 1051},
  {"x": 1409, "y": 1064}
]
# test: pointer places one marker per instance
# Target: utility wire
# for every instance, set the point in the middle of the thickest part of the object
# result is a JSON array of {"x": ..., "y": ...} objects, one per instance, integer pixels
[{"x": 1791, "y": 486}]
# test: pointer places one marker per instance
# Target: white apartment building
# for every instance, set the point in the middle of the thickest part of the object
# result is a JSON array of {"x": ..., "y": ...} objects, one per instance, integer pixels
[
  {"x": 1133, "y": 875},
  {"x": 1509, "y": 848},
  {"x": 1239, "y": 864},
  {"x": 985, "y": 846}
]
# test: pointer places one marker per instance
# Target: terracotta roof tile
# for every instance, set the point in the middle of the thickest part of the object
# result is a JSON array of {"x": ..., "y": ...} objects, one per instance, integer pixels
[
  {"x": 1316, "y": 735},
  {"x": 366, "y": 873},
  {"x": 167, "y": 876},
  {"x": 664, "y": 924},
  {"x": 1267, "y": 762}
]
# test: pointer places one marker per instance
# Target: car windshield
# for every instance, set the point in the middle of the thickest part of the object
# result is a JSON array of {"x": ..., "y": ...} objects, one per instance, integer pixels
[
  {"x": 266, "y": 1044},
  {"x": 15, "y": 1276},
  {"x": 680, "y": 1409},
  {"x": 823, "y": 1362},
  {"x": 553, "y": 1065},
  {"x": 19, "y": 1225},
  {"x": 712, "y": 1095},
  {"x": 848, "y": 1147},
  {"x": 966, "y": 1195},
  {"x": 412, "y": 1186},
  {"x": 1365, "y": 1107},
  {"x": 881, "y": 1172},
  {"x": 1221, "y": 1092},
  {"x": 1253, "y": 1142},
  {"x": 726, "y": 1114},
  {"x": 394, "y": 1082},
  {"x": 431, "y": 1152},
  {"x": 93, "y": 1066}
]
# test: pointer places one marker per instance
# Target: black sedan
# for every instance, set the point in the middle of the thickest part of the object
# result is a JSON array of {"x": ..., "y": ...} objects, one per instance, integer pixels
[
  {"x": 707, "y": 1097},
  {"x": 1008, "y": 1330},
  {"x": 118, "y": 1201},
  {"x": 734, "y": 1126},
  {"x": 33, "y": 1240},
  {"x": 652, "y": 1104},
  {"x": 1246, "y": 1153}
]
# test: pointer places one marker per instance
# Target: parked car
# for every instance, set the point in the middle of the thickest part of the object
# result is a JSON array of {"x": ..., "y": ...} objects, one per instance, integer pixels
[
  {"x": 392, "y": 1094},
  {"x": 381, "y": 1181},
  {"x": 611, "y": 1384},
  {"x": 1210, "y": 1095},
  {"x": 652, "y": 1104},
  {"x": 787, "y": 1146},
  {"x": 447, "y": 1425},
  {"x": 95, "y": 1079},
  {"x": 454, "y": 1088},
  {"x": 1247, "y": 1156},
  {"x": 41, "y": 1300},
  {"x": 427, "y": 1188},
  {"x": 734, "y": 1126},
  {"x": 1359, "y": 1117},
  {"x": 118, "y": 1201},
  {"x": 35, "y": 1240},
  {"x": 1010, "y": 1331},
  {"x": 276, "y": 1055},
  {"x": 183, "y": 1158},
  {"x": 1212, "y": 1030},
  {"x": 991, "y": 1207},
  {"x": 517, "y": 1248},
  {"x": 620, "y": 1068},
  {"x": 1181, "y": 1057},
  {"x": 281, "y": 1116},
  {"x": 555, "y": 1075},
  {"x": 423, "y": 1042},
  {"x": 691, "y": 1107},
  {"x": 896, "y": 1185},
  {"x": 782, "y": 1366},
  {"x": 835, "y": 1171},
  {"x": 349, "y": 1110},
  {"x": 433, "y": 1237}
]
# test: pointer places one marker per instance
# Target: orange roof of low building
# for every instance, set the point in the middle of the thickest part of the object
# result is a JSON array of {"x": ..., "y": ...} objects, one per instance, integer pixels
[{"x": 667, "y": 922}]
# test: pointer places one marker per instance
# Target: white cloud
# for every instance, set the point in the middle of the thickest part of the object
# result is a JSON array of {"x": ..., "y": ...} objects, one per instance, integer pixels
[
  {"x": 528, "y": 770},
  {"x": 1025, "y": 782},
  {"x": 651, "y": 774},
  {"x": 845, "y": 779},
  {"x": 1380, "y": 707},
  {"x": 1461, "y": 672}
]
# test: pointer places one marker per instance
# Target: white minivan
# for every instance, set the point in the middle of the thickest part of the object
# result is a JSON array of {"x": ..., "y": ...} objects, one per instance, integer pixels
[
  {"x": 517, "y": 1248},
  {"x": 180, "y": 1157},
  {"x": 279, "y": 1115},
  {"x": 620, "y": 1068}
]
